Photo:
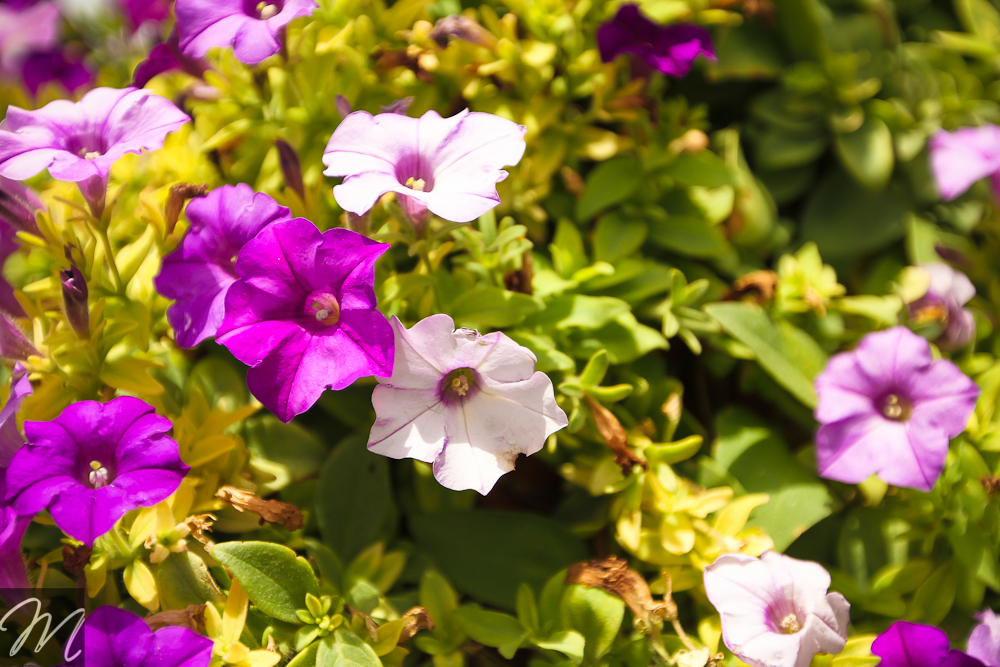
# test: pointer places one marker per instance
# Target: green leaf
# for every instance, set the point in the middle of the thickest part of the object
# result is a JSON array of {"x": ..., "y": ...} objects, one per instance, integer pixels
[
  {"x": 441, "y": 601},
  {"x": 569, "y": 642},
  {"x": 624, "y": 338},
  {"x": 275, "y": 579},
  {"x": 363, "y": 596},
  {"x": 867, "y": 153},
  {"x": 493, "y": 307},
  {"x": 491, "y": 628},
  {"x": 688, "y": 235},
  {"x": 757, "y": 456},
  {"x": 306, "y": 657},
  {"x": 184, "y": 579},
  {"x": 354, "y": 502},
  {"x": 287, "y": 451},
  {"x": 345, "y": 649},
  {"x": 746, "y": 51},
  {"x": 779, "y": 354},
  {"x": 577, "y": 310},
  {"x": 933, "y": 600},
  {"x": 617, "y": 236},
  {"x": 702, "y": 169},
  {"x": 595, "y": 614},
  {"x": 609, "y": 183},
  {"x": 489, "y": 554}
]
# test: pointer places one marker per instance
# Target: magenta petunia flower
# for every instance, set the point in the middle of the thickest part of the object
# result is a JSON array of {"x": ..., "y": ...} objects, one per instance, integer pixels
[
  {"x": 251, "y": 28},
  {"x": 671, "y": 49},
  {"x": 960, "y": 158},
  {"x": 167, "y": 57},
  {"x": 10, "y": 438},
  {"x": 302, "y": 315},
  {"x": 79, "y": 142},
  {"x": 198, "y": 274},
  {"x": 911, "y": 645},
  {"x": 776, "y": 611},
  {"x": 949, "y": 290},
  {"x": 984, "y": 643},
  {"x": 138, "y": 12},
  {"x": 26, "y": 28},
  {"x": 93, "y": 463},
  {"x": 114, "y": 637},
  {"x": 887, "y": 408},
  {"x": 448, "y": 165},
  {"x": 467, "y": 403},
  {"x": 41, "y": 67},
  {"x": 13, "y": 574}
]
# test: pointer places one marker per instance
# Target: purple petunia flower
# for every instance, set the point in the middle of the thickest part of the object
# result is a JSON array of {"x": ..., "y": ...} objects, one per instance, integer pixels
[
  {"x": 888, "y": 408},
  {"x": 79, "y": 142},
  {"x": 93, "y": 463},
  {"x": 10, "y": 438},
  {"x": 671, "y": 49},
  {"x": 960, "y": 158},
  {"x": 948, "y": 291},
  {"x": 984, "y": 643},
  {"x": 302, "y": 315},
  {"x": 138, "y": 12},
  {"x": 775, "y": 610},
  {"x": 18, "y": 208},
  {"x": 114, "y": 637},
  {"x": 911, "y": 645},
  {"x": 467, "y": 403},
  {"x": 13, "y": 574},
  {"x": 167, "y": 57},
  {"x": 251, "y": 28},
  {"x": 26, "y": 28},
  {"x": 448, "y": 165},
  {"x": 41, "y": 67},
  {"x": 198, "y": 274}
]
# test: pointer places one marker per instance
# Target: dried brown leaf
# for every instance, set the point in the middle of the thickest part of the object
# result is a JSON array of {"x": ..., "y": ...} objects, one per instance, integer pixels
[{"x": 272, "y": 511}]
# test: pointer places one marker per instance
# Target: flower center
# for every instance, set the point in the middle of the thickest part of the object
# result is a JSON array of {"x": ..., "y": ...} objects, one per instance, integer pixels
[
  {"x": 266, "y": 10},
  {"x": 790, "y": 624},
  {"x": 89, "y": 155},
  {"x": 416, "y": 183},
  {"x": 99, "y": 476},
  {"x": 324, "y": 307},
  {"x": 458, "y": 385},
  {"x": 895, "y": 407}
]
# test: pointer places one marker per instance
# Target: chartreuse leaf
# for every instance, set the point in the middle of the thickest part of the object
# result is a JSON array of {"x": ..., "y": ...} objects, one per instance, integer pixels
[
  {"x": 780, "y": 355},
  {"x": 345, "y": 649},
  {"x": 489, "y": 554},
  {"x": 274, "y": 578},
  {"x": 184, "y": 579},
  {"x": 493, "y": 307},
  {"x": 354, "y": 503},
  {"x": 867, "y": 153},
  {"x": 617, "y": 236},
  {"x": 595, "y": 614},
  {"x": 492, "y": 628},
  {"x": 749, "y": 450}
]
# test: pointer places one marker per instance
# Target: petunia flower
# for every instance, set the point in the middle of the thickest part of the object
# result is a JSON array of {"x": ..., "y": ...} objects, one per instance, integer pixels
[
  {"x": 59, "y": 65},
  {"x": 302, "y": 315},
  {"x": 960, "y": 158},
  {"x": 251, "y": 28},
  {"x": 93, "y": 463},
  {"x": 469, "y": 404},
  {"x": 23, "y": 29},
  {"x": 138, "y": 12},
  {"x": 167, "y": 57},
  {"x": 671, "y": 49},
  {"x": 10, "y": 438},
  {"x": 449, "y": 166},
  {"x": 984, "y": 643},
  {"x": 13, "y": 574},
  {"x": 114, "y": 637},
  {"x": 887, "y": 408},
  {"x": 911, "y": 645},
  {"x": 80, "y": 141},
  {"x": 949, "y": 290},
  {"x": 198, "y": 274},
  {"x": 776, "y": 611}
]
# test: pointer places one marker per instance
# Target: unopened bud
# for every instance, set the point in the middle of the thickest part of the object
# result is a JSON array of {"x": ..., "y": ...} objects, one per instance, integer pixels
[
  {"x": 343, "y": 106},
  {"x": 18, "y": 206},
  {"x": 464, "y": 28},
  {"x": 291, "y": 167},
  {"x": 179, "y": 194},
  {"x": 76, "y": 300},
  {"x": 400, "y": 106}
]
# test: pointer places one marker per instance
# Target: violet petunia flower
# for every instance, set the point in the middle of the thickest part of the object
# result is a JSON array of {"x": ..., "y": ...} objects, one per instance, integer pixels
[
  {"x": 10, "y": 438},
  {"x": 303, "y": 316},
  {"x": 887, "y": 408},
  {"x": 13, "y": 574},
  {"x": 93, "y": 463},
  {"x": 671, "y": 49},
  {"x": 114, "y": 637},
  {"x": 468, "y": 404},
  {"x": 776, "y": 611},
  {"x": 984, "y": 643},
  {"x": 167, "y": 57},
  {"x": 18, "y": 208},
  {"x": 960, "y": 158},
  {"x": 41, "y": 67},
  {"x": 198, "y": 274},
  {"x": 138, "y": 12},
  {"x": 26, "y": 28},
  {"x": 911, "y": 645},
  {"x": 949, "y": 290},
  {"x": 448, "y": 165},
  {"x": 80, "y": 141},
  {"x": 251, "y": 28}
]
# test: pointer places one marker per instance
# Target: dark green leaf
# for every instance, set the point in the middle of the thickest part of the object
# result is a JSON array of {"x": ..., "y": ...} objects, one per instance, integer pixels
[{"x": 275, "y": 579}]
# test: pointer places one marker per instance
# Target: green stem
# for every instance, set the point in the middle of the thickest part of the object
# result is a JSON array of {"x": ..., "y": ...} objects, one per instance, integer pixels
[{"x": 102, "y": 232}]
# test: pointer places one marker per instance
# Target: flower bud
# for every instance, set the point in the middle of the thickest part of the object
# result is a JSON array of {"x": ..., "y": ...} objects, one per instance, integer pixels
[
  {"x": 18, "y": 205},
  {"x": 291, "y": 167},
  {"x": 75, "y": 300}
]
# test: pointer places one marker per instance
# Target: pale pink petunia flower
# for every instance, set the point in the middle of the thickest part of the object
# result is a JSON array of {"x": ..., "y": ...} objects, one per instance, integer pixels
[
  {"x": 469, "y": 404},
  {"x": 449, "y": 166},
  {"x": 776, "y": 611},
  {"x": 960, "y": 158},
  {"x": 948, "y": 291}
]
